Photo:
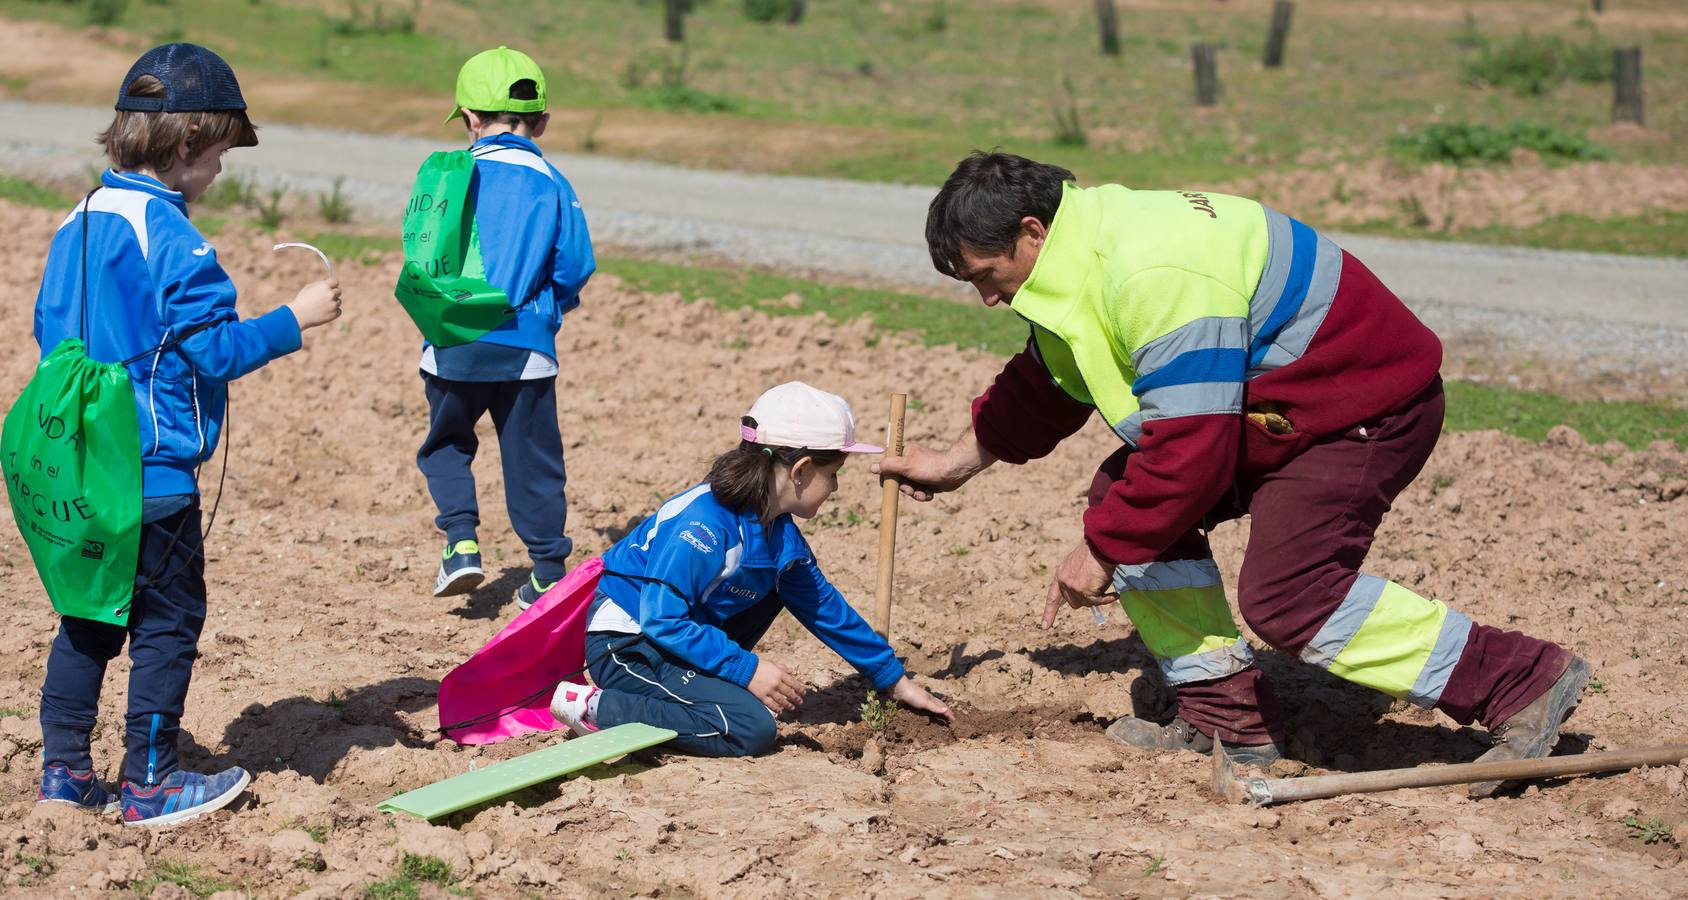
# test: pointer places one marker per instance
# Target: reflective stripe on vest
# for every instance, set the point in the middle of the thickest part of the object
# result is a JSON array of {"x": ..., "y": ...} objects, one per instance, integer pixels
[
  {"x": 1091, "y": 302},
  {"x": 1294, "y": 294}
]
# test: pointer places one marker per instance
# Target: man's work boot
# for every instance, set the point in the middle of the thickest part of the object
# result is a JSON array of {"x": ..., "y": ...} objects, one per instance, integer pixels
[
  {"x": 1181, "y": 735},
  {"x": 1532, "y": 731}
]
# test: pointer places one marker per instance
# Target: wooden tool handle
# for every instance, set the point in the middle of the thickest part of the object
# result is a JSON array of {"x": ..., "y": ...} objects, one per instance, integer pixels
[
  {"x": 888, "y": 522},
  {"x": 1282, "y": 790}
]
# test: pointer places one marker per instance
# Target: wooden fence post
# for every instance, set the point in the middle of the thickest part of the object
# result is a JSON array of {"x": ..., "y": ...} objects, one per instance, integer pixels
[
  {"x": 1206, "y": 58},
  {"x": 674, "y": 20},
  {"x": 796, "y": 14},
  {"x": 1599, "y": 6},
  {"x": 1626, "y": 85},
  {"x": 1278, "y": 33},
  {"x": 1107, "y": 22}
]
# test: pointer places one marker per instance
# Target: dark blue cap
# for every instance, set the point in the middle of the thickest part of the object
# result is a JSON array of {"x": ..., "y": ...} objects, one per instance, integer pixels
[{"x": 195, "y": 80}]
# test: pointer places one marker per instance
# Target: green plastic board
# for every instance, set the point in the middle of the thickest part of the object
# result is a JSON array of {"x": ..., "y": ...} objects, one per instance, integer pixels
[{"x": 500, "y": 778}]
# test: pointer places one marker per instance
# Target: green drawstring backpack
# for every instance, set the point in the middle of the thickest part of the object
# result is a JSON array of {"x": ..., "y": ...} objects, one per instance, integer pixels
[
  {"x": 70, "y": 451},
  {"x": 443, "y": 283}
]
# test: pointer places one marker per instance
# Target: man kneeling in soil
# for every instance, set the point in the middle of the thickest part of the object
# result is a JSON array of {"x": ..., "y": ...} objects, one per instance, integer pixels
[{"x": 1250, "y": 366}]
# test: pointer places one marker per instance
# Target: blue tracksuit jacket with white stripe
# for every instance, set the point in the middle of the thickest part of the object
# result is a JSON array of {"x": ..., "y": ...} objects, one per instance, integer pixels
[
  {"x": 726, "y": 562},
  {"x": 533, "y": 239},
  {"x": 152, "y": 275}
]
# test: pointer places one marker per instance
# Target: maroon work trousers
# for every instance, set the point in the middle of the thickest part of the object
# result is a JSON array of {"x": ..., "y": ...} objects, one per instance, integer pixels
[{"x": 1312, "y": 521}]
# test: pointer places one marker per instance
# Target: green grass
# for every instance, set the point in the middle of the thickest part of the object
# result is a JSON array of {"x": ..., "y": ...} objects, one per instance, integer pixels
[
  {"x": 188, "y": 876},
  {"x": 1658, "y": 232},
  {"x": 1529, "y": 415},
  {"x": 28, "y": 193},
  {"x": 993, "y": 74},
  {"x": 932, "y": 320},
  {"x": 414, "y": 868},
  {"x": 364, "y": 248}
]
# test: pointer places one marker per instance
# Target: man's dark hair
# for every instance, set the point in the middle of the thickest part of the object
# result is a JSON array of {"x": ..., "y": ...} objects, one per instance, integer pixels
[
  {"x": 982, "y": 202},
  {"x": 526, "y": 89}
]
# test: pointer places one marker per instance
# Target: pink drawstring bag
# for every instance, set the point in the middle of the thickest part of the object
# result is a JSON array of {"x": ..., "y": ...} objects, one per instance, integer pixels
[{"x": 504, "y": 690}]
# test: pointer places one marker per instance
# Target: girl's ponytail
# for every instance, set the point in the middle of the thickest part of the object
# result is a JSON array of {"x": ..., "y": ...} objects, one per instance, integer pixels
[{"x": 742, "y": 479}]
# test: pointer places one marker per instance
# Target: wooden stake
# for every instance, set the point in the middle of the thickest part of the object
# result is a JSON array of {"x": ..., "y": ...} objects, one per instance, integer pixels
[
  {"x": 888, "y": 522},
  {"x": 1277, "y": 33},
  {"x": 1626, "y": 85},
  {"x": 674, "y": 20},
  {"x": 1206, "y": 59},
  {"x": 1107, "y": 23}
]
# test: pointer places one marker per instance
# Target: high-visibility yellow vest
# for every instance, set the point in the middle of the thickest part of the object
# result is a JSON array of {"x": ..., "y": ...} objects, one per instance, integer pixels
[{"x": 1163, "y": 303}]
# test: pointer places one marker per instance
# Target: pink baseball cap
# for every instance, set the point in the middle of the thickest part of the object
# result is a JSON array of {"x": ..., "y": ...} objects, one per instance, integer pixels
[{"x": 799, "y": 416}]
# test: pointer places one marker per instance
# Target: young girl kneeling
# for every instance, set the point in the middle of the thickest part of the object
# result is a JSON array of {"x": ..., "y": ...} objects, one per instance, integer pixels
[{"x": 686, "y": 595}]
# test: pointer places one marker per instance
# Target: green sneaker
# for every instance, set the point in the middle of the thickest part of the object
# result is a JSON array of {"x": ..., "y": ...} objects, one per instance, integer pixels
[
  {"x": 460, "y": 569},
  {"x": 531, "y": 590}
]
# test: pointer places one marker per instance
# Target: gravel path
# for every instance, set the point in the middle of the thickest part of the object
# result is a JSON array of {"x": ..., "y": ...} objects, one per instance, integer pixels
[{"x": 1629, "y": 310}]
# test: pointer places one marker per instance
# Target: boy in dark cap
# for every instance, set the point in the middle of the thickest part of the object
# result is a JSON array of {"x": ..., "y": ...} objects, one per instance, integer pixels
[{"x": 131, "y": 276}]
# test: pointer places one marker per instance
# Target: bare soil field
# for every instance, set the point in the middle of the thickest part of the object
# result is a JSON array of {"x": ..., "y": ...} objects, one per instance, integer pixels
[{"x": 323, "y": 650}]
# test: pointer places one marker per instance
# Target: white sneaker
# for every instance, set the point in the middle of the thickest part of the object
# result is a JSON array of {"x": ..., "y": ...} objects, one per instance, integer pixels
[{"x": 572, "y": 705}]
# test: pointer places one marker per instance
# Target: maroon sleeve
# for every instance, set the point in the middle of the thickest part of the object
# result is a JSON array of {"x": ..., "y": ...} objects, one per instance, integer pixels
[
  {"x": 1180, "y": 470},
  {"x": 1024, "y": 413}
]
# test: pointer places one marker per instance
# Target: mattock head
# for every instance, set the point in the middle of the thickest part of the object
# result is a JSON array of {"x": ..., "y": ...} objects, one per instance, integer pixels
[{"x": 1225, "y": 782}]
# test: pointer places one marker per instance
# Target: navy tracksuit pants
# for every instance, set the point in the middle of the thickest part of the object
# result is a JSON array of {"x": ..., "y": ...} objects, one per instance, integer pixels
[
  {"x": 644, "y": 683},
  {"x": 524, "y": 413},
  {"x": 163, "y": 634}
]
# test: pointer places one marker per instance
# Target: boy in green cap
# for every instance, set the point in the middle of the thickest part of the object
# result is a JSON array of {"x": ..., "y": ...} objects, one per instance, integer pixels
[{"x": 534, "y": 246}]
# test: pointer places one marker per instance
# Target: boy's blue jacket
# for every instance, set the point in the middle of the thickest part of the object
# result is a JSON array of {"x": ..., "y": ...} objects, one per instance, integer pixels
[
  {"x": 533, "y": 239},
  {"x": 726, "y": 562},
  {"x": 152, "y": 275}
]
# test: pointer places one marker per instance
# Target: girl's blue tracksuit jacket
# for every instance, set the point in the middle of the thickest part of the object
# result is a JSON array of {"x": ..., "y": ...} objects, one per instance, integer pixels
[{"x": 718, "y": 578}]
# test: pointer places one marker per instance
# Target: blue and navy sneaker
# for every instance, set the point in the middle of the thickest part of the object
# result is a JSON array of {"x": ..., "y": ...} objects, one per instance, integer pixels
[
  {"x": 531, "y": 590},
  {"x": 460, "y": 569},
  {"x": 60, "y": 785},
  {"x": 182, "y": 795}
]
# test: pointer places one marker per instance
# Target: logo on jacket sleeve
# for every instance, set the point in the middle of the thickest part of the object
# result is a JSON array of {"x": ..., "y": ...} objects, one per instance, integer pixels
[
  {"x": 204, "y": 249},
  {"x": 700, "y": 536}
]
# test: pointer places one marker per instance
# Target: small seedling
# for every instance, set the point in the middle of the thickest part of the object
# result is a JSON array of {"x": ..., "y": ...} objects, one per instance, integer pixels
[
  {"x": 1597, "y": 686},
  {"x": 1653, "y": 831},
  {"x": 336, "y": 701},
  {"x": 1154, "y": 865},
  {"x": 270, "y": 215},
  {"x": 332, "y": 206},
  {"x": 1069, "y": 131},
  {"x": 589, "y": 141},
  {"x": 877, "y": 713}
]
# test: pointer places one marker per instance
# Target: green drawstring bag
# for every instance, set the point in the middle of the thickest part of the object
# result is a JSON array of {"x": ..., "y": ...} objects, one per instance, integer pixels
[
  {"x": 71, "y": 454},
  {"x": 443, "y": 283},
  {"x": 70, "y": 451}
]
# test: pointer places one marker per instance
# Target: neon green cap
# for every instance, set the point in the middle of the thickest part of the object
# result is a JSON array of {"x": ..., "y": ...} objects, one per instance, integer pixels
[{"x": 484, "y": 83}]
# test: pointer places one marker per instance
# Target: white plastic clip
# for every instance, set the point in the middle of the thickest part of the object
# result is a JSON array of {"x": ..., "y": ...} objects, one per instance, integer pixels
[{"x": 320, "y": 255}]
